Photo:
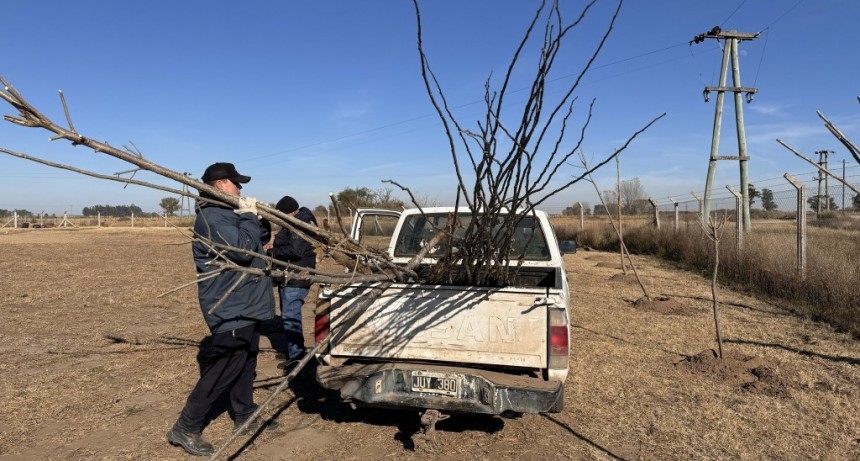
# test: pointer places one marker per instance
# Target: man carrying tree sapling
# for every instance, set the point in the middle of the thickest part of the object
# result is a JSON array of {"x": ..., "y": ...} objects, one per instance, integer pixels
[{"x": 228, "y": 365}]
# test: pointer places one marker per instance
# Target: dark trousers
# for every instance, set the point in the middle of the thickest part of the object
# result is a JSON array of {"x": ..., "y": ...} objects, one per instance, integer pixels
[{"x": 227, "y": 366}]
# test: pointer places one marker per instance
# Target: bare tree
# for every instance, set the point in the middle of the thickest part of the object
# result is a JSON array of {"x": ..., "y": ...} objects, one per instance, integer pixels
[
  {"x": 609, "y": 199},
  {"x": 633, "y": 196},
  {"x": 713, "y": 228},
  {"x": 617, "y": 229},
  {"x": 621, "y": 246},
  {"x": 513, "y": 166}
]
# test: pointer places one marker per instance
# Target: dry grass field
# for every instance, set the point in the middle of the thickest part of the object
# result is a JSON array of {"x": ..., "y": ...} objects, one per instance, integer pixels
[
  {"x": 95, "y": 366},
  {"x": 767, "y": 264}
]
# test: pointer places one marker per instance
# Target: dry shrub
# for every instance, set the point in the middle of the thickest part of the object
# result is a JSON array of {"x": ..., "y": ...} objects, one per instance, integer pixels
[
  {"x": 647, "y": 239},
  {"x": 565, "y": 227},
  {"x": 836, "y": 220},
  {"x": 599, "y": 236},
  {"x": 639, "y": 236},
  {"x": 757, "y": 213},
  {"x": 768, "y": 266}
]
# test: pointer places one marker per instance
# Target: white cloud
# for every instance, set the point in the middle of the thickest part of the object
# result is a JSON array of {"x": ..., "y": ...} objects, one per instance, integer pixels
[
  {"x": 381, "y": 167},
  {"x": 351, "y": 112},
  {"x": 769, "y": 132},
  {"x": 774, "y": 110}
]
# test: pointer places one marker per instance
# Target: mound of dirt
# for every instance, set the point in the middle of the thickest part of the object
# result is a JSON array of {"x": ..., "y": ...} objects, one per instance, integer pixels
[
  {"x": 750, "y": 374},
  {"x": 661, "y": 305},
  {"x": 624, "y": 278},
  {"x": 612, "y": 265}
]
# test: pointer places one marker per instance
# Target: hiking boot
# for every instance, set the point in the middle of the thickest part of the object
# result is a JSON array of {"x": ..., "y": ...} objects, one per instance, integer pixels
[
  {"x": 191, "y": 442},
  {"x": 302, "y": 353},
  {"x": 255, "y": 426},
  {"x": 289, "y": 364}
]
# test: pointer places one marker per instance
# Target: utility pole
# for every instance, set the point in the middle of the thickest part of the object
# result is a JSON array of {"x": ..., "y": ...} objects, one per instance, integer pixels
[
  {"x": 730, "y": 51},
  {"x": 738, "y": 221},
  {"x": 825, "y": 178},
  {"x": 185, "y": 201}
]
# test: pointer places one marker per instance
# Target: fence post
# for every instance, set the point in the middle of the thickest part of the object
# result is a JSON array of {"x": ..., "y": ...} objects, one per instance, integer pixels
[
  {"x": 581, "y": 217},
  {"x": 15, "y": 219},
  {"x": 801, "y": 224},
  {"x": 739, "y": 217},
  {"x": 677, "y": 224},
  {"x": 132, "y": 219},
  {"x": 656, "y": 214},
  {"x": 99, "y": 219},
  {"x": 698, "y": 199},
  {"x": 843, "y": 186}
]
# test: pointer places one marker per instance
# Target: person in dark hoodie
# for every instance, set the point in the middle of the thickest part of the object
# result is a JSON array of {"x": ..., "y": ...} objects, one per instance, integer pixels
[
  {"x": 228, "y": 367},
  {"x": 291, "y": 248}
]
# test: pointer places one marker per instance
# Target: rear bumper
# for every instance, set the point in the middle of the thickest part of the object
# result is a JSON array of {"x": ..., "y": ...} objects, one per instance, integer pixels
[{"x": 477, "y": 391}]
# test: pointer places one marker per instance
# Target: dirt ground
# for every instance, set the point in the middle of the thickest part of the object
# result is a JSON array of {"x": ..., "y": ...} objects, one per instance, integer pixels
[{"x": 95, "y": 365}]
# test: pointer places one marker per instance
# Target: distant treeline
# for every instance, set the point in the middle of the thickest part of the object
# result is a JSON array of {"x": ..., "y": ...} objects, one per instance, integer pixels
[
  {"x": 117, "y": 211},
  {"x": 5, "y": 213},
  {"x": 114, "y": 210}
]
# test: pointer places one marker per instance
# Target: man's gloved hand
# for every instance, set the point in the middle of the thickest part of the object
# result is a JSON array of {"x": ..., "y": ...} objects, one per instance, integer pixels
[{"x": 247, "y": 205}]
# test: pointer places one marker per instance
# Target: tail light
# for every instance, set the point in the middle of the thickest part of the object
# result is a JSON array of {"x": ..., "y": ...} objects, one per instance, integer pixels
[
  {"x": 558, "y": 339},
  {"x": 321, "y": 320}
]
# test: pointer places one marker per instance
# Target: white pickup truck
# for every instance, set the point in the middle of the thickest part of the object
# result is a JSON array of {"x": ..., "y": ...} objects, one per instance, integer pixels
[{"x": 453, "y": 349}]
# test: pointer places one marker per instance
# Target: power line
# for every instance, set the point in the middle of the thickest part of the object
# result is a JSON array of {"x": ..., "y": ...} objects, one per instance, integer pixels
[
  {"x": 761, "y": 59},
  {"x": 780, "y": 178},
  {"x": 783, "y": 14},
  {"x": 461, "y": 106},
  {"x": 602, "y": 66},
  {"x": 766, "y": 32},
  {"x": 785, "y": 187},
  {"x": 733, "y": 13}
]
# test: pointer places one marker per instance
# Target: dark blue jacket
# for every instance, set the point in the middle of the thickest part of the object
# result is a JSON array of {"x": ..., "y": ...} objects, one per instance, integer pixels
[
  {"x": 252, "y": 300},
  {"x": 293, "y": 249}
]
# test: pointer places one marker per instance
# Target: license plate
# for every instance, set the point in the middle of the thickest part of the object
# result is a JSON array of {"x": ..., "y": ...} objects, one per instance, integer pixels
[{"x": 435, "y": 383}]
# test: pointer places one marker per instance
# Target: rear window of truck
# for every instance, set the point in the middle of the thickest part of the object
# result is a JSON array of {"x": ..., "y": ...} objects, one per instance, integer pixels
[{"x": 528, "y": 242}]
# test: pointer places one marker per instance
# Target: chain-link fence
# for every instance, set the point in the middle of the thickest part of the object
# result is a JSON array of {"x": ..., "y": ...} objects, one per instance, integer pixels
[
  {"x": 10, "y": 221},
  {"x": 836, "y": 198}
]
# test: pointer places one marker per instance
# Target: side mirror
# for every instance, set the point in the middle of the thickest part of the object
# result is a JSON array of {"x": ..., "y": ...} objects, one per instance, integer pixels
[{"x": 567, "y": 246}]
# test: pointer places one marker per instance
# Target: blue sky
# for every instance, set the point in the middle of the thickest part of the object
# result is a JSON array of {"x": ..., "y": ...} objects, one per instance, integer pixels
[{"x": 309, "y": 97}]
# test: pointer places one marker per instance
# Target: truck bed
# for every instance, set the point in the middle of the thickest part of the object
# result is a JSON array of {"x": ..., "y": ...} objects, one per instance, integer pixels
[{"x": 505, "y": 327}]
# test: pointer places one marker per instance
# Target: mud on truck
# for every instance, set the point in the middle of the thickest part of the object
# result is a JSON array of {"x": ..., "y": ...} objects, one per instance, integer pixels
[{"x": 442, "y": 349}]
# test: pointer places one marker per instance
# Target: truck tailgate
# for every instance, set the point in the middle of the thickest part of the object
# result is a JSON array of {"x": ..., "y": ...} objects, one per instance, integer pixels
[{"x": 504, "y": 327}]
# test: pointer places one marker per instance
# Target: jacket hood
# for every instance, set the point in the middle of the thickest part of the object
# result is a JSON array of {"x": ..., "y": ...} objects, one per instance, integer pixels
[{"x": 306, "y": 215}]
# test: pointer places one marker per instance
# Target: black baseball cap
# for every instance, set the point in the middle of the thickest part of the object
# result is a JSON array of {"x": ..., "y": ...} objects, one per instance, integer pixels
[{"x": 224, "y": 170}]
